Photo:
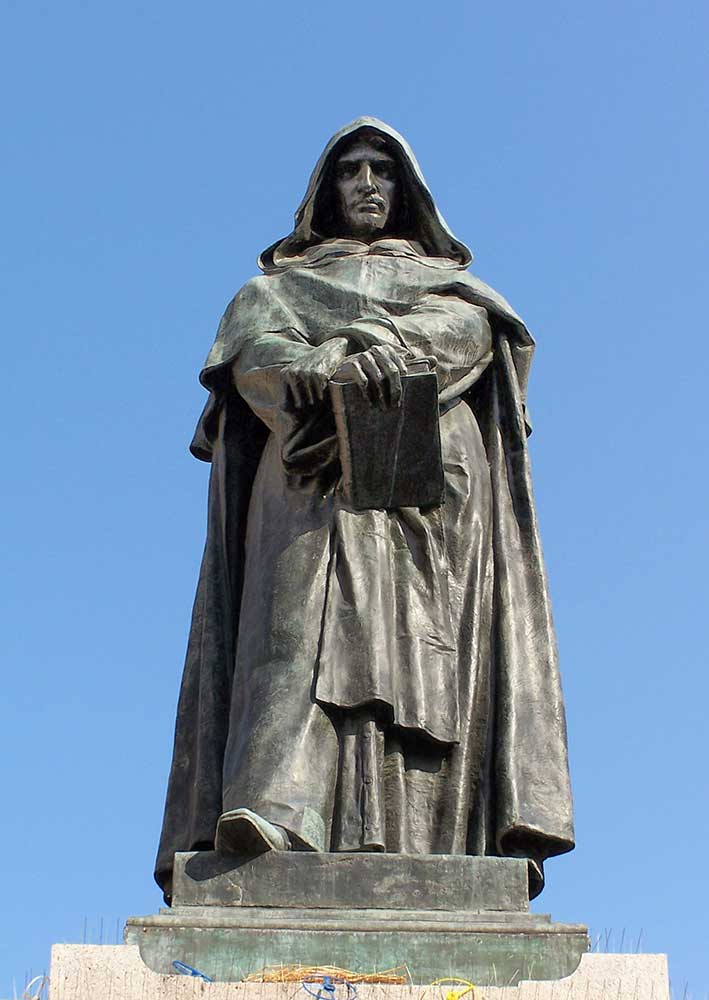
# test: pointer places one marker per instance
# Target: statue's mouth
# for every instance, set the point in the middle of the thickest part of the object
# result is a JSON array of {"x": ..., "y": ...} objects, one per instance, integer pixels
[{"x": 371, "y": 205}]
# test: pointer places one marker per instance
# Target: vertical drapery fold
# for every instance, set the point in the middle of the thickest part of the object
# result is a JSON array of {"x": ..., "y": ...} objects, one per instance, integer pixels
[{"x": 379, "y": 679}]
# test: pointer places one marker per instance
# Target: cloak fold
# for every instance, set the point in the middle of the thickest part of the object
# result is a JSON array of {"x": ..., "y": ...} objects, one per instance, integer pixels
[
  {"x": 194, "y": 794},
  {"x": 528, "y": 781},
  {"x": 531, "y": 790}
]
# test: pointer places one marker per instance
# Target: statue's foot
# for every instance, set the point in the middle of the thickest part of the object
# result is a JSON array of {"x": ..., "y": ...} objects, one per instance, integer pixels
[{"x": 241, "y": 831}]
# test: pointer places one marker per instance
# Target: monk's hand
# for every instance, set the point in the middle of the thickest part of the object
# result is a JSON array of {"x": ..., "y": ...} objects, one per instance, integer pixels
[
  {"x": 378, "y": 373},
  {"x": 306, "y": 378}
]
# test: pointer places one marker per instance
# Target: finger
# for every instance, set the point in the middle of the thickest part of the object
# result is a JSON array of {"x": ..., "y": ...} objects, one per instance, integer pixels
[
  {"x": 392, "y": 367},
  {"x": 317, "y": 384},
  {"x": 308, "y": 393},
  {"x": 348, "y": 371},
  {"x": 295, "y": 390},
  {"x": 355, "y": 373},
  {"x": 375, "y": 377},
  {"x": 320, "y": 386},
  {"x": 393, "y": 382},
  {"x": 391, "y": 354},
  {"x": 398, "y": 361}
]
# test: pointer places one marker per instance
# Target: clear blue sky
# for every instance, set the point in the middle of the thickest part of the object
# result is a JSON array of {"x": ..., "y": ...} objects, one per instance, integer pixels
[{"x": 150, "y": 151}]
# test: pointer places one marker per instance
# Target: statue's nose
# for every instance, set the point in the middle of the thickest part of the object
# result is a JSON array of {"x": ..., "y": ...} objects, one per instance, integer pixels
[{"x": 366, "y": 178}]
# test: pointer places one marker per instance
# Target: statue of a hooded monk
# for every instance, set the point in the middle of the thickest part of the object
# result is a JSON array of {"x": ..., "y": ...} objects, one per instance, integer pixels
[{"x": 368, "y": 680}]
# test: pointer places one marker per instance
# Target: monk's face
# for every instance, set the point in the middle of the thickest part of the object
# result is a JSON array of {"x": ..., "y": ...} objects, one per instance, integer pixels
[{"x": 366, "y": 185}]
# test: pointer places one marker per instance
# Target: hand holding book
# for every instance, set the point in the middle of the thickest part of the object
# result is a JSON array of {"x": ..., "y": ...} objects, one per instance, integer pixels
[
  {"x": 307, "y": 377},
  {"x": 377, "y": 372}
]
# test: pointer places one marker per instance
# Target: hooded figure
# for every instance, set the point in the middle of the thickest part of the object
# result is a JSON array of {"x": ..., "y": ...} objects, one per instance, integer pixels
[{"x": 368, "y": 680}]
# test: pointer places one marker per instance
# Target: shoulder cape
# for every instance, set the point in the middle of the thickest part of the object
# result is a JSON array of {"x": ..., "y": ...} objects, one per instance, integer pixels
[
  {"x": 530, "y": 777},
  {"x": 530, "y": 770}
]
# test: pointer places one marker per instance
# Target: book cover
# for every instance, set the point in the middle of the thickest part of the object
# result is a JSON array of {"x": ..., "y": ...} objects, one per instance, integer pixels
[{"x": 390, "y": 458}]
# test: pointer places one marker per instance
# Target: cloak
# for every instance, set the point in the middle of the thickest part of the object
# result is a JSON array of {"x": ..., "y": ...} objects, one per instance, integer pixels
[{"x": 526, "y": 783}]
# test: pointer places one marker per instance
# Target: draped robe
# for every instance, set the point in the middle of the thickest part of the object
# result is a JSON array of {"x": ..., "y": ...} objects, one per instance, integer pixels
[{"x": 370, "y": 680}]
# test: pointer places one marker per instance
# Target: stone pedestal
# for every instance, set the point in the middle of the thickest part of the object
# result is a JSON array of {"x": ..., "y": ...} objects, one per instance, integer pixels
[
  {"x": 116, "y": 972},
  {"x": 436, "y": 915}
]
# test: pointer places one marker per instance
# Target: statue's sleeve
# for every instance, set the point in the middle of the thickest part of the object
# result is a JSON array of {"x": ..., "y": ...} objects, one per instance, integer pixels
[
  {"x": 445, "y": 327},
  {"x": 258, "y": 334},
  {"x": 261, "y": 335},
  {"x": 259, "y": 328},
  {"x": 306, "y": 438},
  {"x": 256, "y": 373}
]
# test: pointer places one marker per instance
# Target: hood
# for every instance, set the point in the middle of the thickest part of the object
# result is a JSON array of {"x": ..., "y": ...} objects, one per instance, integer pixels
[{"x": 426, "y": 224}]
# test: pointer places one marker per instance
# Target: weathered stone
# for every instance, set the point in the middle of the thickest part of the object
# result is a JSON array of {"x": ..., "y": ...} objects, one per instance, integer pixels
[
  {"x": 230, "y": 944},
  {"x": 116, "y": 972},
  {"x": 352, "y": 881}
]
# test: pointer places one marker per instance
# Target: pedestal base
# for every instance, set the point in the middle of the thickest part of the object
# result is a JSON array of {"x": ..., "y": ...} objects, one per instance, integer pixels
[
  {"x": 435, "y": 915},
  {"x": 116, "y": 972}
]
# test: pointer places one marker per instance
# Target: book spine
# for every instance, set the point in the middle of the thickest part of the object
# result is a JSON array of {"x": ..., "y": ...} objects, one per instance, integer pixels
[{"x": 343, "y": 437}]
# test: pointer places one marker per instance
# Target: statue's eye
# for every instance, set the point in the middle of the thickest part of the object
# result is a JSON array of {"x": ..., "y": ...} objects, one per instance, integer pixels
[
  {"x": 347, "y": 169},
  {"x": 384, "y": 168}
]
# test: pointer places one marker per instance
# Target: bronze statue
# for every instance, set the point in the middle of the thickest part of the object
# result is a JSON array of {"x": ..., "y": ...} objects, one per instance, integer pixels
[{"x": 378, "y": 679}]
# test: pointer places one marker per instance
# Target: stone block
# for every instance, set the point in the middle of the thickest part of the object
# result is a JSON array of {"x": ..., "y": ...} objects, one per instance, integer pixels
[
  {"x": 116, "y": 972},
  {"x": 434, "y": 915},
  {"x": 352, "y": 881}
]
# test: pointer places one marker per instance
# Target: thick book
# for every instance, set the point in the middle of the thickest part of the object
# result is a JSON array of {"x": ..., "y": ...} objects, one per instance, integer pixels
[{"x": 390, "y": 458}]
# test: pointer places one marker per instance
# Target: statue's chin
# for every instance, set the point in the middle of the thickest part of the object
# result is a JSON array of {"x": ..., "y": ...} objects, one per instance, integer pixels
[
  {"x": 365, "y": 226},
  {"x": 365, "y": 233}
]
